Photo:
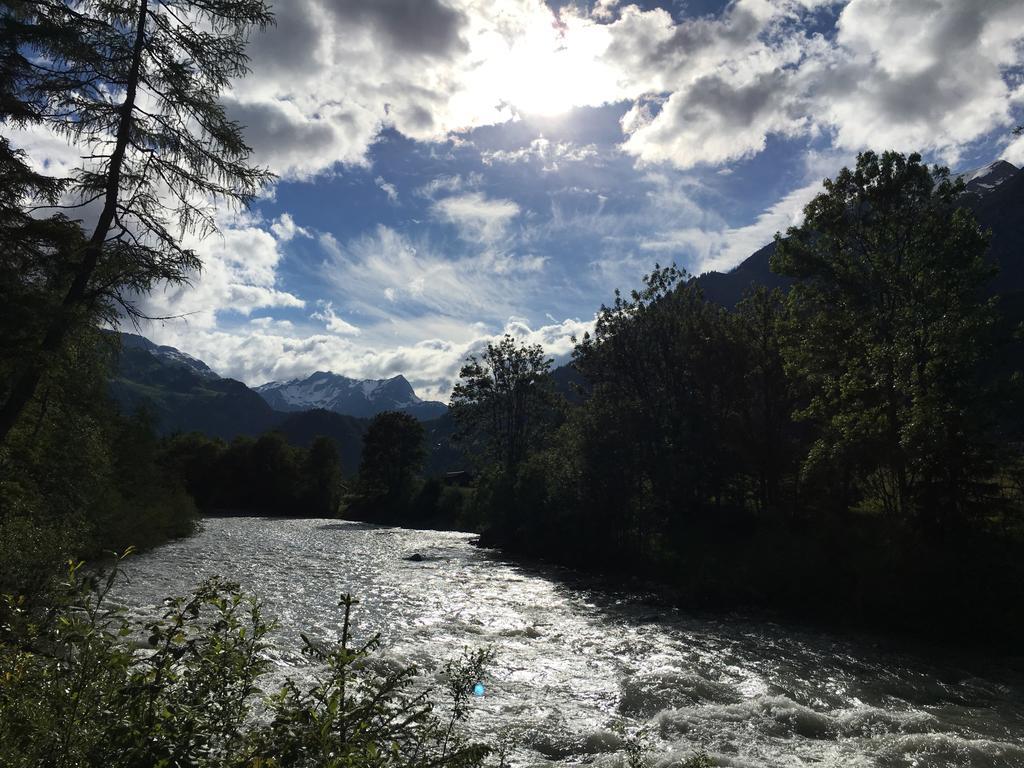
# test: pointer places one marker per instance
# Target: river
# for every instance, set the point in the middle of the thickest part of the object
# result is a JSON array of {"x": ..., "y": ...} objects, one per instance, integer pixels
[{"x": 576, "y": 665}]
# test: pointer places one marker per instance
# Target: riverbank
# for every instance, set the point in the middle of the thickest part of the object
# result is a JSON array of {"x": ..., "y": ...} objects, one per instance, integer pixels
[{"x": 870, "y": 577}]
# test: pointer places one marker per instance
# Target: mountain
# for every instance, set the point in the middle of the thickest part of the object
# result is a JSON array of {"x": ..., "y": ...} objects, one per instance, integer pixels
[
  {"x": 996, "y": 195},
  {"x": 168, "y": 354},
  {"x": 183, "y": 394},
  {"x": 354, "y": 397},
  {"x": 980, "y": 181}
]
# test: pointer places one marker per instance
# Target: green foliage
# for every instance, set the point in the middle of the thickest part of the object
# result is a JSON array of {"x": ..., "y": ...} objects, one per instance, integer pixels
[
  {"x": 886, "y": 333},
  {"x": 77, "y": 689},
  {"x": 77, "y": 478},
  {"x": 261, "y": 476},
  {"x": 668, "y": 371},
  {"x": 393, "y": 454},
  {"x": 744, "y": 456},
  {"x": 136, "y": 86},
  {"x": 504, "y": 401}
]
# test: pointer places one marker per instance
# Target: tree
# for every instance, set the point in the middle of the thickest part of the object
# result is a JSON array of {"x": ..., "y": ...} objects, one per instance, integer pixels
[
  {"x": 766, "y": 436},
  {"x": 136, "y": 85},
  {"x": 504, "y": 400},
  {"x": 662, "y": 364},
  {"x": 887, "y": 327},
  {"x": 393, "y": 454},
  {"x": 322, "y": 474},
  {"x": 273, "y": 480}
]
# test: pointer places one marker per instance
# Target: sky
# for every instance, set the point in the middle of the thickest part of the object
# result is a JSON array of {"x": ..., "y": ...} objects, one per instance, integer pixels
[{"x": 451, "y": 170}]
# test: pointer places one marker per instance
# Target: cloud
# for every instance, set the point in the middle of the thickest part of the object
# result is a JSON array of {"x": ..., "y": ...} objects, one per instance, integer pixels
[
  {"x": 239, "y": 273},
  {"x": 333, "y": 323},
  {"x": 715, "y": 120},
  {"x": 477, "y": 218},
  {"x": 920, "y": 74},
  {"x": 386, "y": 275},
  {"x": 265, "y": 324},
  {"x": 271, "y": 352},
  {"x": 295, "y": 144},
  {"x": 410, "y": 27},
  {"x": 1014, "y": 152},
  {"x": 285, "y": 228},
  {"x": 549, "y": 153},
  {"x": 389, "y": 189}
]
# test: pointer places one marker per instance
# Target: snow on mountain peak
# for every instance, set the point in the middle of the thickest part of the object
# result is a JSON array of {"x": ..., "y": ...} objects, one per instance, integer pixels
[
  {"x": 183, "y": 358},
  {"x": 988, "y": 177},
  {"x": 354, "y": 397}
]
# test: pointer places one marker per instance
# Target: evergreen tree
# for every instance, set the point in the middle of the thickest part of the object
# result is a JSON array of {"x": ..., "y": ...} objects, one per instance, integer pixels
[{"x": 136, "y": 86}]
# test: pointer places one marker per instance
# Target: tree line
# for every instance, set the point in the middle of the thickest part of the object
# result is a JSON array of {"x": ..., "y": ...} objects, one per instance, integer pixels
[
  {"x": 845, "y": 448},
  {"x": 269, "y": 476}
]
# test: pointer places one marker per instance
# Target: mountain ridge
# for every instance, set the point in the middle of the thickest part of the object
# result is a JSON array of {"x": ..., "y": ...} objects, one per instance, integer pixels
[
  {"x": 995, "y": 194},
  {"x": 321, "y": 390},
  {"x": 362, "y": 398}
]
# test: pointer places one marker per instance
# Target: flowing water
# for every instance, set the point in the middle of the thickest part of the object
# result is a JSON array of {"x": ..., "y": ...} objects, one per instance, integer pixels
[{"x": 577, "y": 666}]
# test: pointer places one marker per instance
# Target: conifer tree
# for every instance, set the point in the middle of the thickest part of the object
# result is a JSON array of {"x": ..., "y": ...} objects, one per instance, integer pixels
[{"x": 136, "y": 85}]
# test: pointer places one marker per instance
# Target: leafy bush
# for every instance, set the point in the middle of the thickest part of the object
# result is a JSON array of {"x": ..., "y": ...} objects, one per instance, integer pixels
[{"x": 83, "y": 685}]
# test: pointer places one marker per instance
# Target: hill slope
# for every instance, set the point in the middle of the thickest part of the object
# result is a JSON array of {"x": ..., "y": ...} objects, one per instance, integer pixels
[{"x": 996, "y": 195}]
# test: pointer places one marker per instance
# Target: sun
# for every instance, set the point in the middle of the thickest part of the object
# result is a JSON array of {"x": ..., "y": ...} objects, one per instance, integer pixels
[{"x": 552, "y": 66}]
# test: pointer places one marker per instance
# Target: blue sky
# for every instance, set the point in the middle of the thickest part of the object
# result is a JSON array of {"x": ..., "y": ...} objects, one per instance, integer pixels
[{"x": 454, "y": 169}]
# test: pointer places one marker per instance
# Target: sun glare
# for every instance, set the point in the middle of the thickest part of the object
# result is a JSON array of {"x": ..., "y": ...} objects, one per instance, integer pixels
[{"x": 550, "y": 68}]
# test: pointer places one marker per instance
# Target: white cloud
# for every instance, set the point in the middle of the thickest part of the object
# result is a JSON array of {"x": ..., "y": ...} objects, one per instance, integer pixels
[
  {"x": 331, "y": 321},
  {"x": 239, "y": 274},
  {"x": 389, "y": 189},
  {"x": 285, "y": 228},
  {"x": 549, "y": 153},
  {"x": 917, "y": 74},
  {"x": 272, "y": 324},
  {"x": 431, "y": 364},
  {"x": 385, "y": 275},
  {"x": 1014, "y": 152},
  {"x": 477, "y": 218}
]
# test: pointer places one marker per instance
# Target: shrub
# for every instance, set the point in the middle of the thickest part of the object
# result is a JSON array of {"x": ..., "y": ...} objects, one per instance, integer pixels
[{"x": 81, "y": 684}]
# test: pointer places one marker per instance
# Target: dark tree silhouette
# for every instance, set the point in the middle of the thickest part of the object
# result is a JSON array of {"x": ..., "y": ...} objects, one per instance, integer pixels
[
  {"x": 136, "y": 85},
  {"x": 888, "y": 326},
  {"x": 393, "y": 454},
  {"x": 504, "y": 399}
]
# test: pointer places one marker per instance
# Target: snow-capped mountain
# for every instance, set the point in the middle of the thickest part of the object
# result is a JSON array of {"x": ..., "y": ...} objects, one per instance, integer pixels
[
  {"x": 983, "y": 180},
  {"x": 353, "y": 397},
  {"x": 168, "y": 354}
]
